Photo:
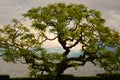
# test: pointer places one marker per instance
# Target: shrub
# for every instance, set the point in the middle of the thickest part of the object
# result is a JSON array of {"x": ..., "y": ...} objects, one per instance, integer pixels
[
  {"x": 88, "y": 78},
  {"x": 109, "y": 76},
  {"x": 4, "y": 77}
]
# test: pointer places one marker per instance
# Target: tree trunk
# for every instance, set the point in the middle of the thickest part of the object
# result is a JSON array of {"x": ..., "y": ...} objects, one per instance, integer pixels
[{"x": 61, "y": 67}]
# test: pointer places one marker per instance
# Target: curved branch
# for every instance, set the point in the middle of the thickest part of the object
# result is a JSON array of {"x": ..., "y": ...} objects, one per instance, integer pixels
[
  {"x": 77, "y": 41},
  {"x": 75, "y": 59},
  {"x": 83, "y": 58},
  {"x": 50, "y": 39}
]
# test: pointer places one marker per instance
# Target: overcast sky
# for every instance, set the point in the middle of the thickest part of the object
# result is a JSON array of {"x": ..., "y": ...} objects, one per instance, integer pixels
[{"x": 14, "y": 8}]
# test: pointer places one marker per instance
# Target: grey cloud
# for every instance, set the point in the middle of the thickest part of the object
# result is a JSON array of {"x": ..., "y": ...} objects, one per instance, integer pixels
[
  {"x": 14, "y": 8},
  {"x": 104, "y": 4},
  {"x": 114, "y": 22},
  {"x": 109, "y": 9},
  {"x": 98, "y": 4}
]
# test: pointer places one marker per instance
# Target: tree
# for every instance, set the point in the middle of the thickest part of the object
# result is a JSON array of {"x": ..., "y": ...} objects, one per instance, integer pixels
[
  {"x": 17, "y": 43},
  {"x": 70, "y": 25}
]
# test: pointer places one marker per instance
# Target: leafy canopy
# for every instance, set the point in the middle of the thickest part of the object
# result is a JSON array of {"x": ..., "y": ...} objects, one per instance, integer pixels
[
  {"x": 18, "y": 43},
  {"x": 70, "y": 25},
  {"x": 75, "y": 24},
  {"x": 72, "y": 21}
]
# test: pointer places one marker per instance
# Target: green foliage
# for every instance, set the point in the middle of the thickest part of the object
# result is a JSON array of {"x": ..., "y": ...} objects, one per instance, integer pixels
[
  {"x": 71, "y": 25},
  {"x": 111, "y": 60},
  {"x": 46, "y": 64},
  {"x": 60, "y": 15},
  {"x": 75, "y": 21},
  {"x": 17, "y": 42}
]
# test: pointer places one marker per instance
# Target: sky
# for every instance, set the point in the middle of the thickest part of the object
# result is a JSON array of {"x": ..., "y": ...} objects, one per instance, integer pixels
[{"x": 14, "y": 8}]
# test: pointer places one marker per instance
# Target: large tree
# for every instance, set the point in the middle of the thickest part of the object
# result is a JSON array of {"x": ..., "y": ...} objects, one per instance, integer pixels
[{"x": 70, "y": 25}]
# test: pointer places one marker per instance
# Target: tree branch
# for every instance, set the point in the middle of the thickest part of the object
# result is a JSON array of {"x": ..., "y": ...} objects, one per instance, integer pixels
[
  {"x": 77, "y": 41},
  {"x": 50, "y": 39}
]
